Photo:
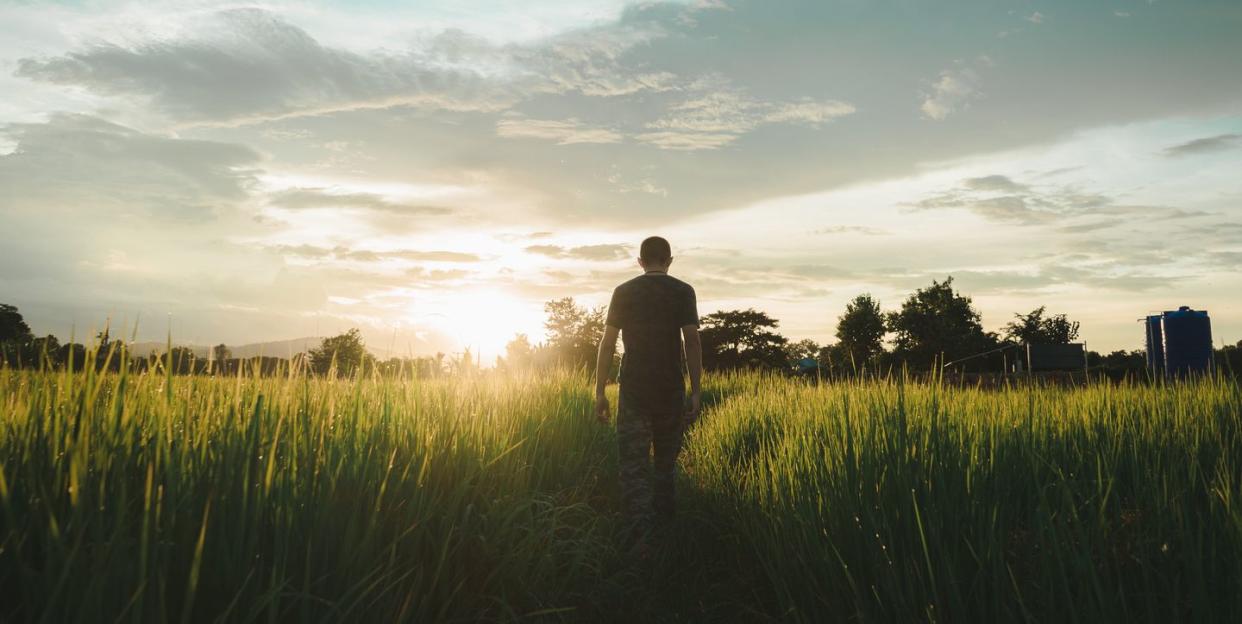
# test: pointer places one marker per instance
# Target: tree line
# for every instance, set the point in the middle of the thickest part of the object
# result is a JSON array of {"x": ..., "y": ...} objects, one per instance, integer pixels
[{"x": 935, "y": 325}]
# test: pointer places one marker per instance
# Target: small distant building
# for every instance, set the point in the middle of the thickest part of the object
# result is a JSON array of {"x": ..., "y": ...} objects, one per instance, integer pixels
[
  {"x": 807, "y": 366},
  {"x": 1179, "y": 342}
]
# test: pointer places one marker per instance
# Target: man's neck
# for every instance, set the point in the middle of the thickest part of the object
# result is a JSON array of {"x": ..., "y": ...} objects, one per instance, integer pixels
[{"x": 656, "y": 271}]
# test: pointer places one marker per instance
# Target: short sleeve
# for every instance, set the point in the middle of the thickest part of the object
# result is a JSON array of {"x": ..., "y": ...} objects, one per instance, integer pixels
[
  {"x": 616, "y": 310},
  {"x": 688, "y": 312}
]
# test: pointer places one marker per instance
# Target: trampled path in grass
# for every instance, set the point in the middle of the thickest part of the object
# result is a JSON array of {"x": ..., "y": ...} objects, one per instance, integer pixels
[{"x": 154, "y": 498}]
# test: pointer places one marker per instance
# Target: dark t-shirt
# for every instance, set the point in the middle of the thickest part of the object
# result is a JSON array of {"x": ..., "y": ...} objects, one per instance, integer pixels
[{"x": 650, "y": 311}]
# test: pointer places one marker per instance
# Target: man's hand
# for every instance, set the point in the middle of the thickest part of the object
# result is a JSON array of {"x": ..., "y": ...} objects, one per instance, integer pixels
[
  {"x": 696, "y": 405},
  {"x": 601, "y": 408}
]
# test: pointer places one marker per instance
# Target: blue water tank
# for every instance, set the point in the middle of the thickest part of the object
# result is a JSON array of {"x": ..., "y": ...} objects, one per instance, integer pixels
[
  {"x": 1187, "y": 341},
  {"x": 1155, "y": 345}
]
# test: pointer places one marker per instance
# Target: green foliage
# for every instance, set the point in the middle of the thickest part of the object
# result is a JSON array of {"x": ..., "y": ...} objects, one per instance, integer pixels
[
  {"x": 344, "y": 354},
  {"x": 1036, "y": 328},
  {"x": 574, "y": 332},
  {"x": 143, "y": 497},
  {"x": 221, "y": 352},
  {"x": 884, "y": 501},
  {"x": 860, "y": 331},
  {"x": 519, "y": 354},
  {"x": 14, "y": 334},
  {"x": 742, "y": 339},
  {"x": 802, "y": 349},
  {"x": 13, "y": 328},
  {"x": 936, "y": 324}
]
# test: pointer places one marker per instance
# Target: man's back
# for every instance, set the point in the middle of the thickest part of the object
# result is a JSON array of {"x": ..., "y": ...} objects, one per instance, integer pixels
[{"x": 650, "y": 311}]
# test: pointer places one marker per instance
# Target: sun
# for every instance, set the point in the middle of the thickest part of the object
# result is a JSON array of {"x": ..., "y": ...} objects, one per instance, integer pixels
[{"x": 485, "y": 320}]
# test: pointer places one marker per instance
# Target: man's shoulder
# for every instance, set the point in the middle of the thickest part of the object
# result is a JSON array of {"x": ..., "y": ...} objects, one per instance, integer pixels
[
  {"x": 629, "y": 285},
  {"x": 653, "y": 284},
  {"x": 680, "y": 284}
]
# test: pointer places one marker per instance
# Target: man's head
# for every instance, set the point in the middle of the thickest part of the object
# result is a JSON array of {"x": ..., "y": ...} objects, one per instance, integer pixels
[{"x": 655, "y": 254}]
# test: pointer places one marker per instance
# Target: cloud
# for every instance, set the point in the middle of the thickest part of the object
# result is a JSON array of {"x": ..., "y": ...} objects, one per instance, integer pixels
[
  {"x": 1092, "y": 226},
  {"x": 1041, "y": 278},
  {"x": 247, "y": 65},
  {"x": 953, "y": 90},
  {"x": 807, "y": 111},
  {"x": 1035, "y": 18},
  {"x": 314, "y": 197},
  {"x": 1228, "y": 260},
  {"x": 341, "y": 252},
  {"x": 585, "y": 252},
  {"x": 994, "y": 183},
  {"x": 851, "y": 229},
  {"x": 438, "y": 275},
  {"x": 713, "y": 117},
  {"x": 79, "y": 160},
  {"x": 719, "y": 113},
  {"x": 567, "y": 132},
  {"x": 1206, "y": 145},
  {"x": 1000, "y": 198},
  {"x": 686, "y": 141},
  {"x": 732, "y": 111},
  {"x": 590, "y": 62}
]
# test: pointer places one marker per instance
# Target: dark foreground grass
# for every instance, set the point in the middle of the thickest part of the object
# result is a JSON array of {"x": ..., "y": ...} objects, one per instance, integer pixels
[{"x": 157, "y": 498}]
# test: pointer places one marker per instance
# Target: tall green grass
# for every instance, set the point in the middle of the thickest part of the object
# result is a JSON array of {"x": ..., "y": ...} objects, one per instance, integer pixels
[
  {"x": 889, "y": 502},
  {"x": 153, "y": 497},
  {"x": 189, "y": 498}
]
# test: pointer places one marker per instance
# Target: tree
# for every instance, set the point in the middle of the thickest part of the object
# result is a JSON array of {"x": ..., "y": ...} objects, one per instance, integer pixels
[
  {"x": 72, "y": 354},
  {"x": 180, "y": 360},
  {"x": 13, "y": 328},
  {"x": 860, "y": 331},
  {"x": 346, "y": 350},
  {"x": 221, "y": 352},
  {"x": 14, "y": 334},
  {"x": 1035, "y": 328},
  {"x": 44, "y": 351},
  {"x": 741, "y": 339},
  {"x": 574, "y": 332},
  {"x": 518, "y": 353},
  {"x": 108, "y": 352},
  {"x": 937, "y": 322},
  {"x": 805, "y": 349}
]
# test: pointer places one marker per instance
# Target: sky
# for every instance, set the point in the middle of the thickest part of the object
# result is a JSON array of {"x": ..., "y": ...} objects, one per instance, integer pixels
[{"x": 433, "y": 172}]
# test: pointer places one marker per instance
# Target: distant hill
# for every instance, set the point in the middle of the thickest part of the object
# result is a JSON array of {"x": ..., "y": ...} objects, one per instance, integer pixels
[{"x": 276, "y": 348}]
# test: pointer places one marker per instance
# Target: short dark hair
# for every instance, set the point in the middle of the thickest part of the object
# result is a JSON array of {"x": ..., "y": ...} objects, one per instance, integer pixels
[{"x": 655, "y": 249}]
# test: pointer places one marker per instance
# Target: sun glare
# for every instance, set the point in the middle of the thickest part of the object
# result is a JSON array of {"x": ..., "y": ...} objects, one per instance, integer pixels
[{"x": 484, "y": 321}]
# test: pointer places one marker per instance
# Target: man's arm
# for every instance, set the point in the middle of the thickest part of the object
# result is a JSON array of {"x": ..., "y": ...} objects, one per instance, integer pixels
[
  {"x": 603, "y": 366},
  {"x": 694, "y": 363}
]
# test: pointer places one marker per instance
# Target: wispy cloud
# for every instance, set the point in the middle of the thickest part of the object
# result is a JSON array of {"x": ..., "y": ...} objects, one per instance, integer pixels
[
  {"x": 688, "y": 141},
  {"x": 584, "y": 252},
  {"x": 566, "y": 132},
  {"x": 951, "y": 92},
  {"x": 1218, "y": 143},
  {"x": 719, "y": 111},
  {"x": 341, "y": 252},
  {"x": 1000, "y": 198},
  {"x": 310, "y": 198},
  {"x": 852, "y": 229}
]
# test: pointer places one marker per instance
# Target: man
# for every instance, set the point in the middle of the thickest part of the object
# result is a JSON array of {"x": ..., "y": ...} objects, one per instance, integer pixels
[{"x": 653, "y": 313}]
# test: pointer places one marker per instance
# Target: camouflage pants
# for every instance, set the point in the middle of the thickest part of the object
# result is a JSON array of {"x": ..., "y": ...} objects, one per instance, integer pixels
[{"x": 648, "y": 428}]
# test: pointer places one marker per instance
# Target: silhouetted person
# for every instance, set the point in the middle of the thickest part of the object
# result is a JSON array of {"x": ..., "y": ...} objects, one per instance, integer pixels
[{"x": 653, "y": 313}]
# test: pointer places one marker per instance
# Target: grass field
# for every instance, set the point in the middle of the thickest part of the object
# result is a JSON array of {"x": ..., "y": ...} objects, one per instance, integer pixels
[{"x": 156, "y": 498}]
